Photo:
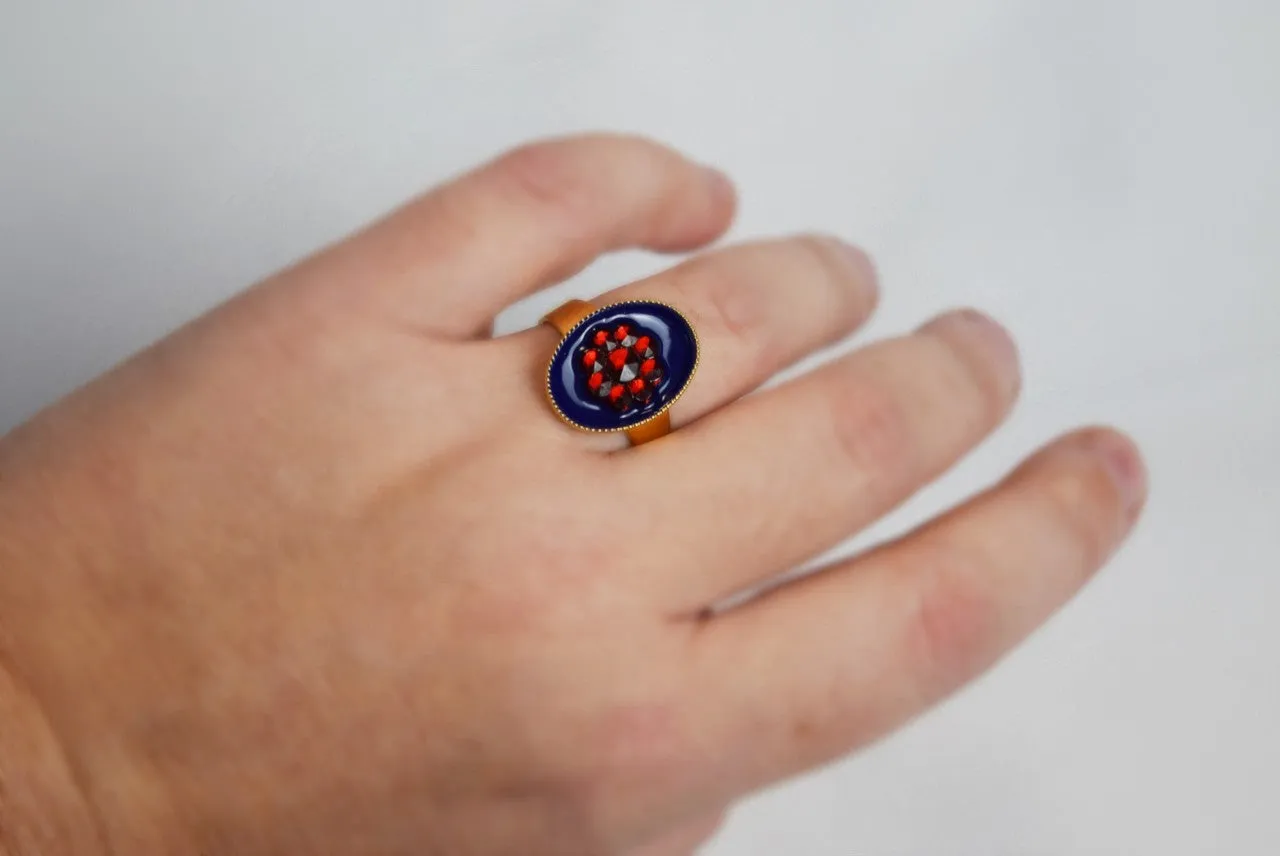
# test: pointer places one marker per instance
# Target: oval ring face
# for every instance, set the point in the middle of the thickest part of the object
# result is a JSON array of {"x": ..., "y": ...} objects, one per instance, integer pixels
[{"x": 622, "y": 365}]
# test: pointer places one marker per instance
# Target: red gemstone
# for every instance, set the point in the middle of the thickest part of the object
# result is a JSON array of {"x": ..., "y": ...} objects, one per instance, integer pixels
[{"x": 621, "y": 365}]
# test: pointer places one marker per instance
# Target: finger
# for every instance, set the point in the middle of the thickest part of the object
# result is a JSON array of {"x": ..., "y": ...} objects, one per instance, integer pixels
[
  {"x": 833, "y": 661},
  {"x": 686, "y": 840},
  {"x": 449, "y": 261},
  {"x": 757, "y": 308},
  {"x": 802, "y": 466}
]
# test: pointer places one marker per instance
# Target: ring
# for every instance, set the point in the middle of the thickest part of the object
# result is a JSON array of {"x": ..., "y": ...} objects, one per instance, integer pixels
[{"x": 620, "y": 367}]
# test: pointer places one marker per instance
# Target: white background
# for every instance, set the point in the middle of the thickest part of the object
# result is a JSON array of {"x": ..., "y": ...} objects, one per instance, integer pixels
[{"x": 1100, "y": 174}]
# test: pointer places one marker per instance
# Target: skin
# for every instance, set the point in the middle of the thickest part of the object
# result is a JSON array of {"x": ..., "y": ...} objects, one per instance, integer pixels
[{"x": 322, "y": 573}]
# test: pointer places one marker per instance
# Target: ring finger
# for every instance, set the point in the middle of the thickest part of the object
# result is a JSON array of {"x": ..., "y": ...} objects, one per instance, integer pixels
[{"x": 810, "y": 462}]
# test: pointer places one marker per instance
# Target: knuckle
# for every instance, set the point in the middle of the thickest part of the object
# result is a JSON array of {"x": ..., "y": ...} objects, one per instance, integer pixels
[
  {"x": 871, "y": 427},
  {"x": 572, "y": 175},
  {"x": 725, "y": 304},
  {"x": 949, "y": 618},
  {"x": 551, "y": 176}
]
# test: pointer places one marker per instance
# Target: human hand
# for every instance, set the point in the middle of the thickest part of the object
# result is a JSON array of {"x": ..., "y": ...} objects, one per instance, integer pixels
[{"x": 322, "y": 573}]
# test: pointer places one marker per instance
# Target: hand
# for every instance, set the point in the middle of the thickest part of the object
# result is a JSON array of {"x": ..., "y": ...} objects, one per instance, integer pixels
[{"x": 322, "y": 573}]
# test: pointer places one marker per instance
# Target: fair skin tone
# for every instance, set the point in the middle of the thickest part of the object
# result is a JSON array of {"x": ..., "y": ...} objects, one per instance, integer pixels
[{"x": 322, "y": 573}]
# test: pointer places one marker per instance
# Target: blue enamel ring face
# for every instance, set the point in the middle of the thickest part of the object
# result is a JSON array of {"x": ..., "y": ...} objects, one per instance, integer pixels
[{"x": 622, "y": 365}]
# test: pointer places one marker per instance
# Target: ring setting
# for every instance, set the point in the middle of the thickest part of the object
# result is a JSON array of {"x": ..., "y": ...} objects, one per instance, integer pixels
[{"x": 620, "y": 367}]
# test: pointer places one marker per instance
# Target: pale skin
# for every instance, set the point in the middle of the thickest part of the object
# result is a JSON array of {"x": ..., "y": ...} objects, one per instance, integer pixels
[{"x": 322, "y": 572}]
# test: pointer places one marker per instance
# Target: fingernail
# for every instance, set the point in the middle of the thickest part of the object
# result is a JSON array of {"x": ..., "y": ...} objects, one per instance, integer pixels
[
  {"x": 1123, "y": 463},
  {"x": 975, "y": 326}
]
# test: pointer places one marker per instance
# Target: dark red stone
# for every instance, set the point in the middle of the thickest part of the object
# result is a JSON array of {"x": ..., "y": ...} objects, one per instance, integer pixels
[{"x": 622, "y": 366}]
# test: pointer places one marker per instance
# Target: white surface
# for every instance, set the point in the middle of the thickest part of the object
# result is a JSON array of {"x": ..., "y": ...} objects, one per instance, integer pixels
[{"x": 1100, "y": 174}]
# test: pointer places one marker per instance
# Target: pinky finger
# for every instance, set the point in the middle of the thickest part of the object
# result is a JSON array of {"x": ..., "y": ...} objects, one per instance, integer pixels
[{"x": 831, "y": 662}]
